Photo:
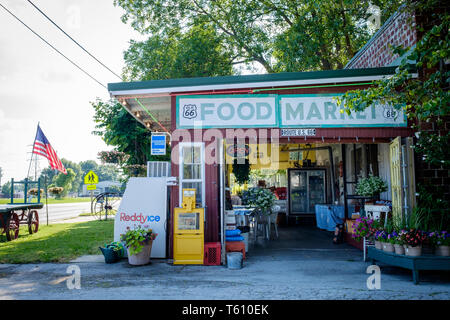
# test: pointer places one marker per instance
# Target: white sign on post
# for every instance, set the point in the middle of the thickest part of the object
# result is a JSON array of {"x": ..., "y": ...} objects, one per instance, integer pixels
[{"x": 144, "y": 204}]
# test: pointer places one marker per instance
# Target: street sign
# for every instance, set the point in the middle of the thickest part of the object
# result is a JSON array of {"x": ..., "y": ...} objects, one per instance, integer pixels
[
  {"x": 158, "y": 145},
  {"x": 90, "y": 187},
  {"x": 90, "y": 178}
]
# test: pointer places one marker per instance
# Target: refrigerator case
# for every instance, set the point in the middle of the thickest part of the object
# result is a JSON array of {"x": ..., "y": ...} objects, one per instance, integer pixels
[{"x": 307, "y": 187}]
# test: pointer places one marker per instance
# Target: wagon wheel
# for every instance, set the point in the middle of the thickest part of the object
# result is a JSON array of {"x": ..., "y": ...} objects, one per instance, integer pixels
[
  {"x": 33, "y": 221},
  {"x": 98, "y": 206},
  {"x": 12, "y": 229},
  {"x": 106, "y": 204}
]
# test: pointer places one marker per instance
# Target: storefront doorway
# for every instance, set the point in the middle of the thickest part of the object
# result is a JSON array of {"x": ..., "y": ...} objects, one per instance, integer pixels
[{"x": 313, "y": 183}]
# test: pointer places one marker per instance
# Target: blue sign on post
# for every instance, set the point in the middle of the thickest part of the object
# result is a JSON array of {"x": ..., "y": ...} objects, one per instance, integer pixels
[{"x": 158, "y": 145}]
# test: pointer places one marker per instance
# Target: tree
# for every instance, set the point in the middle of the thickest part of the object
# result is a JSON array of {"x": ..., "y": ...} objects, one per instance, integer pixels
[
  {"x": 281, "y": 35},
  {"x": 78, "y": 179},
  {"x": 118, "y": 128},
  {"x": 48, "y": 174},
  {"x": 108, "y": 172},
  {"x": 200, "y": 52},
  {"x": 65, "y": 181},
  {"x": 6, "y": 188},
  {"x": 87, "y": 166},
  {"x": 426, "y": 99}
]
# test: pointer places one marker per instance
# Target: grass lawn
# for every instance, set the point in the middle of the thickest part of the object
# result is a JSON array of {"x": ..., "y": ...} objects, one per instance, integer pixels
[
  {"x": 50, "y": 201},
  {"x": 57, "y": 243}
]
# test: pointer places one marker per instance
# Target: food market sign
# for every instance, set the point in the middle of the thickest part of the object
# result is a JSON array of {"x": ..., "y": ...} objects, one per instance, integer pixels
[
  {"x": 279, "y": 111},
  {"x": 323, "y": 111},
  {"x": 230, "y": 111}
]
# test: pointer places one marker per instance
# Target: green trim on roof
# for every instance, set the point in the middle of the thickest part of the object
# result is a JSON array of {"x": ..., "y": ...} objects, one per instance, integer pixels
[{"x": 271, "y": 77}]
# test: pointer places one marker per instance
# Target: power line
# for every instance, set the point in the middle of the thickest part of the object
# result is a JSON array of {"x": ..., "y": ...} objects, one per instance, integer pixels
[
  {"x": 79, "y": 45},
  {"x": 18, "y": 19},
  {"x": 35, "y": 33}
]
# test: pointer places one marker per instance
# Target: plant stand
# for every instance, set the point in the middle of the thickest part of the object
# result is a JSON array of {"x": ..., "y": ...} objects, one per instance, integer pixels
[
  {"x": 424, "y": 262},
  {"x": 366, "y": 243}
]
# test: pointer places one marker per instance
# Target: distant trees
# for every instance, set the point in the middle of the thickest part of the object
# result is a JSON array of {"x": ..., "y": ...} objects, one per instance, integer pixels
[{"x": 73, "y": 181}]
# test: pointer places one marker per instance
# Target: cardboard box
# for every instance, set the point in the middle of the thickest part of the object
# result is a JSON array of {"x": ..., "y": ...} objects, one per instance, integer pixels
[{"x": 349, "y": 226}]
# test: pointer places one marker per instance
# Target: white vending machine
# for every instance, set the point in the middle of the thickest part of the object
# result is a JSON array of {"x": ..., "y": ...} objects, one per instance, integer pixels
[{"x": 144, "y": 204}]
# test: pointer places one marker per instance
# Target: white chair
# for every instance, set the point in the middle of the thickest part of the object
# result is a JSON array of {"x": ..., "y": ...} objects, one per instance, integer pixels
[
  {"x": 375, "y": 211},
  {"x": 272, "y": 220}
]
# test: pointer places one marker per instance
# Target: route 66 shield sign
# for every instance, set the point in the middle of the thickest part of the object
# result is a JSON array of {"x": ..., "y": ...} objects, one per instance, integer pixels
[
  {"x": 189, "y": 111},
  {"x": 389, "y": 112}
]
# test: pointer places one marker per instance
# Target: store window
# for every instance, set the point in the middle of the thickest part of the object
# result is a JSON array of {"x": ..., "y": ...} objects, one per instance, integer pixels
[{"x": 192, "y": 170}]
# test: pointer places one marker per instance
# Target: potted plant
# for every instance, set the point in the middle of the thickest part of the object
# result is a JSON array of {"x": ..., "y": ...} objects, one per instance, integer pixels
[
  {"x": 139, "y": 244},
  {"x": 113, "y": 252},
  {"x": 371, "y": 187},
  {"x": 441, "y": 241},
  {"x": 388, "y": 244},
  {"x": 362, "y": 228},
  {"x": 259, "y": 198},
  {"x": 380, "y": 237},
  {"x": 413, "y": 242},
  {"x": 398, "y": 242}
]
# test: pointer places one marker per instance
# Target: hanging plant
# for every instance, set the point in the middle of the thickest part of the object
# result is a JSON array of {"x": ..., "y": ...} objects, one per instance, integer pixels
[
  {"x": 241, "y": 171},
  {"x": 371, "y": 186}
]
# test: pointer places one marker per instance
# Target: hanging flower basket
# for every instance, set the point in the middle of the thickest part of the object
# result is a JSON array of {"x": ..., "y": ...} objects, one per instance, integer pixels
[{"x": 56, "y": 190}]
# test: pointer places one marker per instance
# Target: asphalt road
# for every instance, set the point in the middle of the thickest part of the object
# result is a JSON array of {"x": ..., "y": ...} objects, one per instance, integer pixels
[{"x": 60, "y": 212}]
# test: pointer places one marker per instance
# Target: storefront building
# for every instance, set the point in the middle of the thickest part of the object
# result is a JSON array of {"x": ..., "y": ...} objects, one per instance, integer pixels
[
  {"x": 289, "y": 126},
  {"x": 289, "y": 123}
]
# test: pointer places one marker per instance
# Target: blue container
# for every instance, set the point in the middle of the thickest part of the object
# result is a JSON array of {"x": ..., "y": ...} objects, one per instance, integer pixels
[{"x": 234, "y": 260}]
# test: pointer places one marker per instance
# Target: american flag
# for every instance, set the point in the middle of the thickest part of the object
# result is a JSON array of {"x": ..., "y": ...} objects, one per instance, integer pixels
[{"x": 43, "y": 148}]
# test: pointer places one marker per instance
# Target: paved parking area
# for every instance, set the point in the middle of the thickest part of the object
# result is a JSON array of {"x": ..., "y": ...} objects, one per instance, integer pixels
[{"x": 272, "y": 271}]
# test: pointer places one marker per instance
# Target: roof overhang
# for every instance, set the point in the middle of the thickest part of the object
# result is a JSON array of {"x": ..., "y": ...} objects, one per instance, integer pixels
[{"x": 150, "y": 101}]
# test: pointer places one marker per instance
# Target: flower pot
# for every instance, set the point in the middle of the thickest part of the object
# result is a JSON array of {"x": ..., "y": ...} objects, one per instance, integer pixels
[
  {"x": 413, "y": 251},
  {"x": 142, "y": 257},
  {"x": 443, "y": 251},
  {"x": 388, "y": 247},
  {"x": 378, "y": 244},
  {"x": 399, "y": 249}
]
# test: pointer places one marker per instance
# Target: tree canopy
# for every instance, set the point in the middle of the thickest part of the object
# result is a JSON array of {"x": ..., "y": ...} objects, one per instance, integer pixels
[{"x": 281, "y": 35}]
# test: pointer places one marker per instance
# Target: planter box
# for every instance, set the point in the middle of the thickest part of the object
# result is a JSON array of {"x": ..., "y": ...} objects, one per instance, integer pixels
[
  {"x": 424, "y": 262},
  {"x": 357, "y": 244}
]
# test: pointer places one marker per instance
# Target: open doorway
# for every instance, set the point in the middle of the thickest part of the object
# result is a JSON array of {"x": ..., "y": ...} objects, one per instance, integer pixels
[{"x": 313, "y": 186}]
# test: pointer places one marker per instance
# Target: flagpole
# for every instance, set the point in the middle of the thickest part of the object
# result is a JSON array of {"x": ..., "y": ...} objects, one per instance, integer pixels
[{"x": 31, "y": 160}]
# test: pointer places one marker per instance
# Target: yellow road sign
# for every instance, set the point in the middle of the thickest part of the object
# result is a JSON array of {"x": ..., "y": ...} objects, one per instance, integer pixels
[
  {"x": 90, "y": 178},
  {"x": 91, "y": 187}
]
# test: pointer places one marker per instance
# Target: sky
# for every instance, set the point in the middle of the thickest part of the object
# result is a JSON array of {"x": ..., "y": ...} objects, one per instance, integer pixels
[{"x": 38, "y": 85}]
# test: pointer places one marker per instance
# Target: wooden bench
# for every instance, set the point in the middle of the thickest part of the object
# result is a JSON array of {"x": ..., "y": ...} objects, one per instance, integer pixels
[{"x": 424, "y": 262}]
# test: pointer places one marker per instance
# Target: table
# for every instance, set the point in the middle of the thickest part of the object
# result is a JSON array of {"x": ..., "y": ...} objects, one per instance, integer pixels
[{"x": 423, "y": 262}]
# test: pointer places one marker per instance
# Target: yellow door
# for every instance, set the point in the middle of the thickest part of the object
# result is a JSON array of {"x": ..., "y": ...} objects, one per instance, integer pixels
[{"x": 396, "y": 177}]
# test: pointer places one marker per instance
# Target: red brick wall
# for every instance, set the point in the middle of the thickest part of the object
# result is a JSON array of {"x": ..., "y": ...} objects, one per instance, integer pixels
[{"x": 396, "y": 31}]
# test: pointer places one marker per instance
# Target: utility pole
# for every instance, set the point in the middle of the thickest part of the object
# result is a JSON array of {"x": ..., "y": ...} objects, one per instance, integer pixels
[{"x": 1, "y": 175}]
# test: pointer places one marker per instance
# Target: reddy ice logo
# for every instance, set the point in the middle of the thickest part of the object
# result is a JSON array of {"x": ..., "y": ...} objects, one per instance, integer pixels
[{"x": 139, "y": 218}]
